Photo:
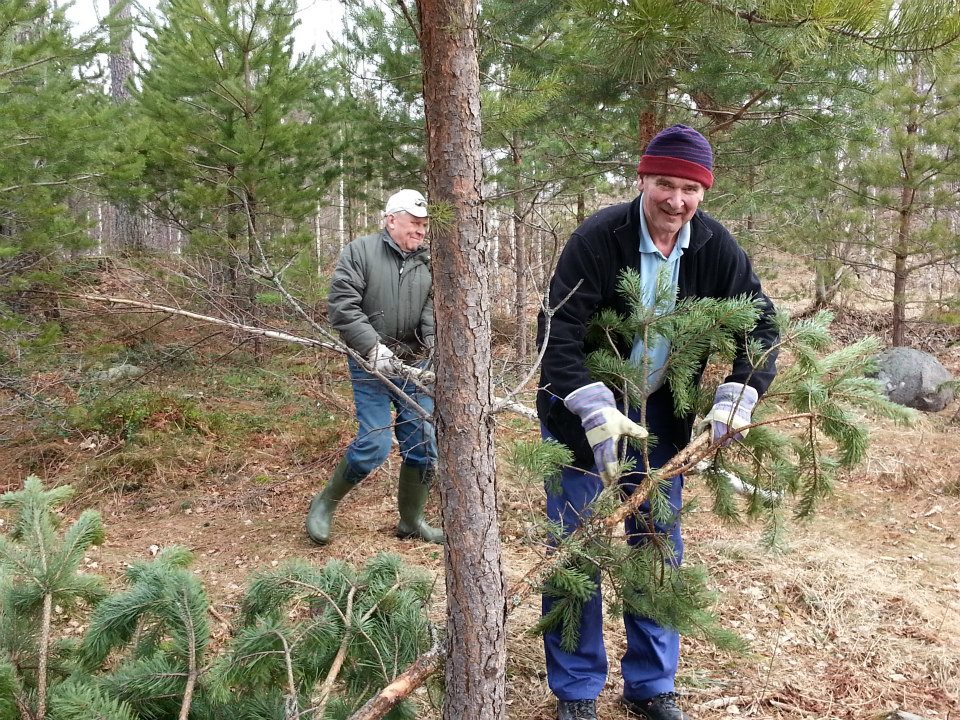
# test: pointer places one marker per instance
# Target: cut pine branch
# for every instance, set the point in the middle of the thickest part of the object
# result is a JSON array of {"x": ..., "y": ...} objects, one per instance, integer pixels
[
  {"x": 700, "y": 448},
  {"x": 403, "y": 685}
]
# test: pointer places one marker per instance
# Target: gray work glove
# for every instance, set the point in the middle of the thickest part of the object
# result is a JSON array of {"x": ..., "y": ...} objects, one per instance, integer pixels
[
  {"x": 732, "y": 409},
  {"x": 421, "y": 375},
  {"x": 604, "y": 425},
  {"x": 383, "y": 359}
]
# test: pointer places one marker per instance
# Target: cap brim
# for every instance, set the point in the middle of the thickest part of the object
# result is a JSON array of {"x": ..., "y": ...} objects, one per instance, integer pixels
[{"x": 416, "y": 211}]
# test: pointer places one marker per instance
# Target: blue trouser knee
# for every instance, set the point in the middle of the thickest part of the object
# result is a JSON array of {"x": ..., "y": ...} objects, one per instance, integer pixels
[
  {"x": 374, "y": 402},
  {"x": 650, "y": 662}
]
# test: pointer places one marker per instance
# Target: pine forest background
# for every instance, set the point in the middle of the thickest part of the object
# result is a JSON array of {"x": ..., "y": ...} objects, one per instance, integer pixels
[{"x": 217, "y": 172}]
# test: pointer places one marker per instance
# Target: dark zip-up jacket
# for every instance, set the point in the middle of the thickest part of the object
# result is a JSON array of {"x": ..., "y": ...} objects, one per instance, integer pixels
[
  {"x": 713, "y": 265},
  {"x": 378, "y": 295}
]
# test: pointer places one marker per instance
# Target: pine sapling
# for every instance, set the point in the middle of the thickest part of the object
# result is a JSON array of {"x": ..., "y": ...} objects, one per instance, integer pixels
[
  {"x": 808, "y": 427},
  {"x": 39, "y": 570}
]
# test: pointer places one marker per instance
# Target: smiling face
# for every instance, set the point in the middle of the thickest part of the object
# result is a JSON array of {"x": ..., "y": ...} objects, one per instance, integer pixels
[
  {"x": 406, "y": 230},
  {"x": 668, "y": 203}
]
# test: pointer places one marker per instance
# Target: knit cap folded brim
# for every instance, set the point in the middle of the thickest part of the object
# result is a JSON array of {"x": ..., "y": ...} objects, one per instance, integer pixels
[{"x": 679, "y": 151}]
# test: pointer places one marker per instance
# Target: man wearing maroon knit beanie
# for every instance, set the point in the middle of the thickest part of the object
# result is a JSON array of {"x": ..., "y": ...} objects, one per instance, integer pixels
[{"x": 664, "y": 235}]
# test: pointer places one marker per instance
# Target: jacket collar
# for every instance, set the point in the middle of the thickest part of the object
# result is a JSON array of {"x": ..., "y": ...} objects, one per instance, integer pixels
[{"x": 420, "y": 252}]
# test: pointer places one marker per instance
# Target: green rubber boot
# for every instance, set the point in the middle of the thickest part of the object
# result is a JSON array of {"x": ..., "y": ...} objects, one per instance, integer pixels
[
  {"x": 412, "y": 491},
  {"x": 325, "y": 502}
]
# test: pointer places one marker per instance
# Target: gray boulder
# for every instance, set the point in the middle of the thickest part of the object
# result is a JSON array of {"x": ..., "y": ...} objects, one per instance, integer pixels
[{"x": 914, "y": 378}]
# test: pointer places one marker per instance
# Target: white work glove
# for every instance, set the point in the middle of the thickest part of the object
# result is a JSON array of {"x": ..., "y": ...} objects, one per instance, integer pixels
[
  {"x": 383, "y": 359},
  {"x": 732, "y": 408},
  {"x": 604, "y": 424}
]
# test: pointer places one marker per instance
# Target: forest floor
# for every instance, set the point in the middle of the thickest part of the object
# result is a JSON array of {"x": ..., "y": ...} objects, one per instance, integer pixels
[{"x": 219, "y": 451}]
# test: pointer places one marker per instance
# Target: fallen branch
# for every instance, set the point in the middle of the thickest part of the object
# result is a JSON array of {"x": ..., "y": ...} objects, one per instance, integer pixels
[
  {"x": 251, "y": 329},
  {"x": 404, "y": 684}
]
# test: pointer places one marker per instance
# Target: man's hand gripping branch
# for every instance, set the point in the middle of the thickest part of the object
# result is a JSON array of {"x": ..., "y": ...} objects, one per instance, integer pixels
[{"x": 604, "y": 425}]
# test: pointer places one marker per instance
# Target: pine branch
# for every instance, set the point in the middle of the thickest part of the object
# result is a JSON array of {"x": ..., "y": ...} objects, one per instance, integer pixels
[
  {"x": 403, "y": 685},
  {"x": 191, "y": 655},
  {"x": 337, "y": 663},
  {"x": 79, "y": 701},
  {"x": 10, "y": 692}
]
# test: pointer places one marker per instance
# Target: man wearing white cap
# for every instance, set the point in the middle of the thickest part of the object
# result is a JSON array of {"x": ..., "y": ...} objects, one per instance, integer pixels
[{"x": 381, "y": 303}]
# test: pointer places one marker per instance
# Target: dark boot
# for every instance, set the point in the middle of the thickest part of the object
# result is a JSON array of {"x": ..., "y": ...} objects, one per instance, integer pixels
[
  {"x": 412, "y": 491},
  {"x": 576, "y": 710},
  {"x": 325, "y": 502},
  {"x": 659, "y": 707}
]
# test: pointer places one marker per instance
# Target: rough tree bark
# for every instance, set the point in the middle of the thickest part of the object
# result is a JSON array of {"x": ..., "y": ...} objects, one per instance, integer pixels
[
  {"x": 476, "y": 602},
  {"x": 901, "y": 250}
]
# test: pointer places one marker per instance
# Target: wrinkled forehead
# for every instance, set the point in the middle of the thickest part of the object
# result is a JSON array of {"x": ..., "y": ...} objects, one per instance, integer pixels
[{"x": 672, "y": 181}]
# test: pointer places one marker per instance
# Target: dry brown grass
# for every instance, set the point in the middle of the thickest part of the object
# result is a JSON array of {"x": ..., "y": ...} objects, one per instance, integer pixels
[{"x": 861, "y": 616}]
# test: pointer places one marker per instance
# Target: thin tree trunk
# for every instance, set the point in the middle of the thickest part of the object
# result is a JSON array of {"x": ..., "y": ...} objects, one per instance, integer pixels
[
  {"x": 253, "y": 305},
  {"x": 519, "y": 267},
  {"x": 901, "y": 250},
  {"x": 128, "y": 225},
  {"x": 476, "y": 601}
]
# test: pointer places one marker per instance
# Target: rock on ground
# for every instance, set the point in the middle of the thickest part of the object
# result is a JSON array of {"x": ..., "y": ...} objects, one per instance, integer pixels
[{"x": 915, "y": 379}]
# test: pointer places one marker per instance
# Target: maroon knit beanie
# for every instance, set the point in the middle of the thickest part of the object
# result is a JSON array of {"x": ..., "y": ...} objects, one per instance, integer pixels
[{"x": 679, "y": 151}]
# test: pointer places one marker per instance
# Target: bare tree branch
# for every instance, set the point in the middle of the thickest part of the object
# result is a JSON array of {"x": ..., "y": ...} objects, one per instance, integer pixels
[{"x": 508, "y": 402}]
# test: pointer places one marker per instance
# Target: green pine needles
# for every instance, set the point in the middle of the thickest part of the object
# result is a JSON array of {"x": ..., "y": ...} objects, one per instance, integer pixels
[
  {"x": 39, "y": 572},
  {"x": 308, "y": 642},
  {"x": 694, "y": 328},
  {"x": 809, "y": 427}
]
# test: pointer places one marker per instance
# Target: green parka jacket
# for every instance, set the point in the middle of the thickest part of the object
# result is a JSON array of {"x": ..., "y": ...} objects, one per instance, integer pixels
[{"x": 378, "y": 295}]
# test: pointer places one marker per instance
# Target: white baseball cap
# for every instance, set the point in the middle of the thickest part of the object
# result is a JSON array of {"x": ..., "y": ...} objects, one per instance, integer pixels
[{"x": 408, "y": 201}]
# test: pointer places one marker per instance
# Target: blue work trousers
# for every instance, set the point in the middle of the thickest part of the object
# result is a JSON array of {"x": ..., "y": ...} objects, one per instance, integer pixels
[
  {"x": 374, "y": 402},
  {"x": 650, "y": 662}
]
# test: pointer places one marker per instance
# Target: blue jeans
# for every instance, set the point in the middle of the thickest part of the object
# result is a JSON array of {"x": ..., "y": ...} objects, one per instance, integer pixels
[
  {"x": 374, "y": 402},
  {"x": 650, "y": 662}
]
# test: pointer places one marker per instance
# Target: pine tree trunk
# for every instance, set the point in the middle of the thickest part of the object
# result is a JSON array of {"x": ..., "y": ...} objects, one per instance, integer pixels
[
  {"x": 253, "y": 259},
  {"x": 128, "y": 225},
  {"x": 476, "y": 602},
  {"x": 901, "y": 251},
  {"x": 647, "y": 128},
  {"x": 900, "y": 281}
]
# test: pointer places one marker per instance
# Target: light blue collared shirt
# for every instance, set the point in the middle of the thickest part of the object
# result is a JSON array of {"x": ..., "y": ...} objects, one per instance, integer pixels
[{"x": 652, "y": 264}]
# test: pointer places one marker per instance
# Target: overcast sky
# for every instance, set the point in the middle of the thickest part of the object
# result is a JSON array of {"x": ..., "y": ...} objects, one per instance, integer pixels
[{"x": 318, "y": 18}]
